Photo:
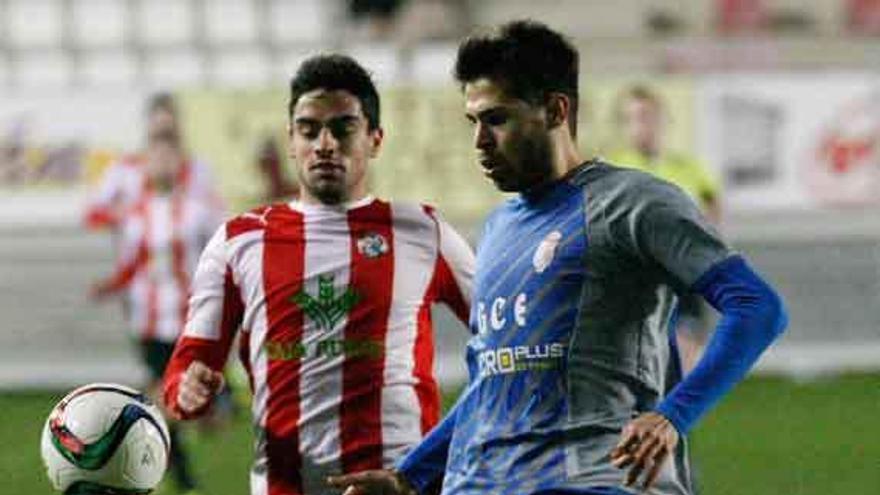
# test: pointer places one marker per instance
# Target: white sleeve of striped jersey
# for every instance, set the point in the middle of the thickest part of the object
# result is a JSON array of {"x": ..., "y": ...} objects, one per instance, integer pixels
[
  {"x": 208, "y": 290},
  {"x": 109, "y": 187},
  {"x": 459, "y": 257},
  {"x": 128, "y": 244}
]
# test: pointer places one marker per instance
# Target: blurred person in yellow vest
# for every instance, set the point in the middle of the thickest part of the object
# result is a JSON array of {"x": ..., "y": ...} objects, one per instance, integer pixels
[{"x": 641, "y": 119}]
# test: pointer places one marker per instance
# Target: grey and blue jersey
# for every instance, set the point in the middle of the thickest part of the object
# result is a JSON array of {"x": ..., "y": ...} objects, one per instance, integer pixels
[
  {"x": 571, "y": 306},
  {"x": 574, "y": 291}
]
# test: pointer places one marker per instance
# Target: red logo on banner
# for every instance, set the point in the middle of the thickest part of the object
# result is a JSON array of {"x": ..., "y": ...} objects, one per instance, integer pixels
[{"x": 846, "y": 165}]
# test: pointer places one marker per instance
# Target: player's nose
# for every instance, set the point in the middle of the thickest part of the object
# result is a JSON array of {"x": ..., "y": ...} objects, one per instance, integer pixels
[
  {"x": 327, "y": 142},
  {"x": 483, "y": 138}
]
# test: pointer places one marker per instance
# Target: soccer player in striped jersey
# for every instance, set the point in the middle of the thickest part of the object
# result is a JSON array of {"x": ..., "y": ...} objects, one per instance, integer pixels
[
  {"x": 123, "y": 183},
  {"x": 159, "y": 239},
  {"x": 570, "y": 389},
  {"x": 331, "y": 296}
]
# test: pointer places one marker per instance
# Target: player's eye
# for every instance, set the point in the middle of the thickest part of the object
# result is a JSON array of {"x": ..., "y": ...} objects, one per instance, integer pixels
[
  {"x": 308, "y": 130},
  {"x": 495, "y": 119},
  {"x": 342, "y": 129}
]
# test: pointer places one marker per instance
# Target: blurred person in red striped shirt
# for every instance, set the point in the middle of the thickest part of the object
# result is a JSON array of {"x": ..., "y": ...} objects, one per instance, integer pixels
[
  {"x": 124, "y": 181},
  {"x": 161, "y": 226}
]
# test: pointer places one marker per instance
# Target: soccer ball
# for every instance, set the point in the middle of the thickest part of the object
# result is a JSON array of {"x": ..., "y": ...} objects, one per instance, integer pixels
[{"x": 105, "y": 438}]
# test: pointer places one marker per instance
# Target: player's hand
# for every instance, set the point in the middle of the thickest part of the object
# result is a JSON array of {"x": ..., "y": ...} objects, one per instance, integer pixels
[
  {"x": 198, "y": 386},
  {"x": 645, "y": 444},
  {"x": 100, "y": 291},
  {"x": 376, "y": 482}
]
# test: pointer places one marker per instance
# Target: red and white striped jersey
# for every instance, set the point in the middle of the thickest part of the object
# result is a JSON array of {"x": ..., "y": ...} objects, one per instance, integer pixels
[
  {"x": 160, "y": 239},
  {"x": 336, "y": 333},
  {"x": 124, "y": 182}
]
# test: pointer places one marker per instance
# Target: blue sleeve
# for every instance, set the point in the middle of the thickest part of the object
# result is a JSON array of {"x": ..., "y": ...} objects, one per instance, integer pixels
[
  {"x": 425, "y": 464},
  {"x": 752, "y": 316}
]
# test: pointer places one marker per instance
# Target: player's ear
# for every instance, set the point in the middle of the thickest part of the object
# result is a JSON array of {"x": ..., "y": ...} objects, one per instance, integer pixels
[
  {"x": 558, "y": 107},
  {"x": 289, "y": 144},
  {"x": 377, "y": 135}
]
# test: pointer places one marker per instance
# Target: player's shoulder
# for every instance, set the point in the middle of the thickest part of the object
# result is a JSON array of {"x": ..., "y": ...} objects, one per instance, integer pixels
[
  {"x": 133, "y": 159},
  {"x": 624, "y": 158},
  {"x": 418, "y": 220},
  {"x": 683, "y": 159},
  {"x": 125, "y": 165},
  {"x": 607, "y": 179},
  {"x": 257, "y": 219},
  {"x": 414, "y": 211}
]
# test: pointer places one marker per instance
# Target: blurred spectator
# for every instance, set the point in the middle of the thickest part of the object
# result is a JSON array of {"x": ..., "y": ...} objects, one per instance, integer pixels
[
  {"x": 741, "y": 16},
  {"x": 161, "y": 206},
  {"x": 378, "y": 15},
  {"x": 123, "y": 182},
  {"x": 432, "y": 20},
  {"x": 662, "y": 22},
  {"x": 13, "y": 158},
  {"x": 641, "y": 118},
  {"x": 278, "y": 186},
  {"x": 408, "y": 22},
  {"x": 384, "y": 9},
  {"x": 863, "y": 17}
]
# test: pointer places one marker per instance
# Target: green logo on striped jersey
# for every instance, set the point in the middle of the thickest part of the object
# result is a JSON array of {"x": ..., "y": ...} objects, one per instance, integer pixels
[{"x": 328, "y": 308}]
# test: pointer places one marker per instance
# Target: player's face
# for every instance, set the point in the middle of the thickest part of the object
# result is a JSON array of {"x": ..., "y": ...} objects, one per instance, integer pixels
[
  {"x": 642, "y": 123},
  {"x": 331, "y": 144},
  {"x": 510, "y": 135},
  {"x": 163, "y": 159},
  {"x": 162, "y": 124}
]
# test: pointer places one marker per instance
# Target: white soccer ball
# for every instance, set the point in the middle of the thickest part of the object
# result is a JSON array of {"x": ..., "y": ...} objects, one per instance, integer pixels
[{"x": 105, "y": 438}]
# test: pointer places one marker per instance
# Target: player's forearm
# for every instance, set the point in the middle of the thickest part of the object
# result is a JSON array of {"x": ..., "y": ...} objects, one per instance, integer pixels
[
  {"x": 186, "y": 351},
  {"x": 752, "y": 317},
  {"x": 100, "y": 217},
  {"x": 126, "y": 271}
]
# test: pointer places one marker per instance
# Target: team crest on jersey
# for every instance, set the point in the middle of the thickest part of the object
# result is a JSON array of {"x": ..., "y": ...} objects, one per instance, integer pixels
[
  {"x": 372, "y": 245},
  {"x": 546, "y": 251},
  {"x": 328, "y": 308}
]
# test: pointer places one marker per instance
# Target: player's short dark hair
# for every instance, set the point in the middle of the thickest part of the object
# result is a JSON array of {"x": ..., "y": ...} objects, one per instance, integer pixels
[
  {"x": 641, "y": 92},
  {"x": 336, "y": 72},
  {"x": 162, "y": 101},
  {"x": 638, "y": 91},
  {"x": 527, "y": 58}
]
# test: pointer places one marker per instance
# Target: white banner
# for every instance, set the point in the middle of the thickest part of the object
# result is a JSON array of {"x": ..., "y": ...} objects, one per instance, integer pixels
[
  {"x": 792, "y": 141},
  {"x": 58, "y": 138}
]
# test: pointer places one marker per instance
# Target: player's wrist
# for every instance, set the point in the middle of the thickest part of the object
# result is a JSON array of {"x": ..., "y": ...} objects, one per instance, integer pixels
[
  {"x": 668, "y": 413},
  {"x": 404, "y": 485}
]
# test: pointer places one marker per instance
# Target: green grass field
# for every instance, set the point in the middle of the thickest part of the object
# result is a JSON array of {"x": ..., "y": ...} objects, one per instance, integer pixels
[{"x": 771, "y": 436}]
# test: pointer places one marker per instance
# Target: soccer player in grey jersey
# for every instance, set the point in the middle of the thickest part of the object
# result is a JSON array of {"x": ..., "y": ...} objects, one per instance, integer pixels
[{"x": 576, "y": 282}]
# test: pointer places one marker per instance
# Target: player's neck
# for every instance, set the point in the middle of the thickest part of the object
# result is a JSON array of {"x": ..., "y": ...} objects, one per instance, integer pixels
[
  {"x": 649, "y": 151},
  {"x": 566, "y": 157},
  {"x": 161, "y": 184},
  {"x": 309, "y": 199}
]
